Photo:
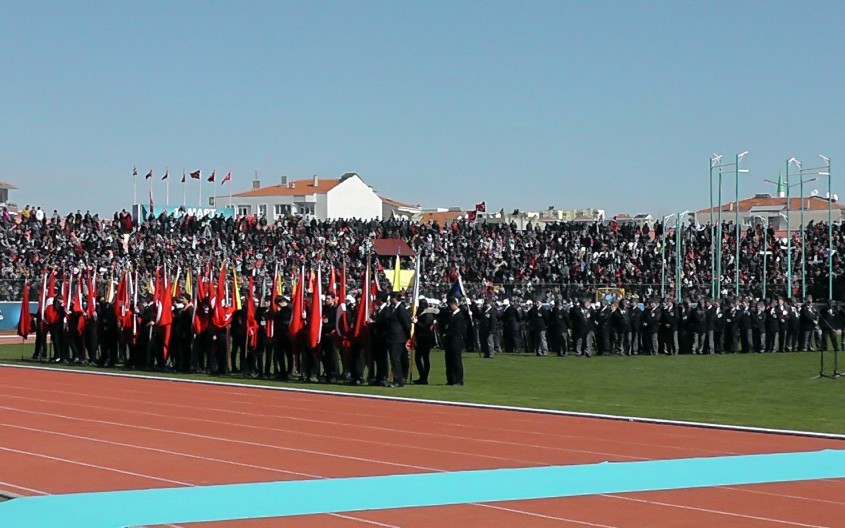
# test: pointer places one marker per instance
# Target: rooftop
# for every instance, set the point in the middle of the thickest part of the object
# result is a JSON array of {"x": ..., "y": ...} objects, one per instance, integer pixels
[
  {"x": 772, "y": 203},
  {"x": 293, "y": 188}
]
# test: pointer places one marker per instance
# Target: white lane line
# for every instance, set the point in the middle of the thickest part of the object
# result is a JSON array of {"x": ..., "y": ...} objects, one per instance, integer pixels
[
  {"x": 542, "y": 516},
  {"x": 342, "y": 424},
  {"x": 222, "y": 439},
  {"x": 95, "y": 466},
  {"x": 158, "y": 450},
  {"x": 468, "y": 405},
  {"x": 718, "y": 512},
  {"x": 23, "y": 488},
  {"x": 785, "y": 495}
]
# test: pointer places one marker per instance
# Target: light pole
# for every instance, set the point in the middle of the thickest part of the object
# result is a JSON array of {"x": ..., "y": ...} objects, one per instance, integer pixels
[
  {"x": 801, "y": 181},
  {"x": 765, "y": 219},
  {"x": 714, "y": 162},
  {"x": 717, "y": 164},
  {"x": 826, "y": 172},
  {"x": 678, "y": 253},
  {"x": 663, "y": 258},
  {"x": 737, "y": 171}
]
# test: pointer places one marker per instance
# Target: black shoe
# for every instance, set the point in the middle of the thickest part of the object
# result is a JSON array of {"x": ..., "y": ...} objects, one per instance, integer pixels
[
  {"x": 421, "y": 382},
  {"x": 396, "y": 385}
]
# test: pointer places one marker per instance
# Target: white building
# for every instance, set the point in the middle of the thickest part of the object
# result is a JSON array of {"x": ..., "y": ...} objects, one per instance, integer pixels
[{"x": 321, "y": 198}]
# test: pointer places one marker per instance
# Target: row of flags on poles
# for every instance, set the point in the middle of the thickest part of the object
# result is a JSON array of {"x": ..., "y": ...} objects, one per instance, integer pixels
[
  {"x": 195, "y": 175},
  {"x": 220, "y": 298}
]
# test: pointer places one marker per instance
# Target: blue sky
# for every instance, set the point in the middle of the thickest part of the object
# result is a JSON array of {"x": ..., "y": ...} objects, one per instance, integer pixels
[{"x": 616, "y": 105}]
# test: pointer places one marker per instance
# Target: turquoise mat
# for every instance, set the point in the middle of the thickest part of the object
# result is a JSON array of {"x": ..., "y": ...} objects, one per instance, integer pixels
[{"x": 304, "y": 497}]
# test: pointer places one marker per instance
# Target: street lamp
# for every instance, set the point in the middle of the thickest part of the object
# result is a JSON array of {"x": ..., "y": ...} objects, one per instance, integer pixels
[
  {"x": 737, "y": 171},
  {"x": 678, "y": 244},
  {"x": 663, "y": 257},
  {"x": 716, "y": 164},
  {"x": 826, "y": 172}
]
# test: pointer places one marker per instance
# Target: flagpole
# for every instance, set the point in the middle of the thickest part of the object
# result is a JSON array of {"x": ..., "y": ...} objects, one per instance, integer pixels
[
  {"x": 134, "y": 185},
  {"x": 167, "y": 191},
  {"x": 150, "y": 179},
  {"x": 230, "y": 189},
  {"x": 199, "y": 205},
  {"x": 184, "y": 189}
]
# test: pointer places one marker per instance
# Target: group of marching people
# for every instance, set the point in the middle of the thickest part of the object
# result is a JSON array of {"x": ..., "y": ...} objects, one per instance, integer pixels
[
  {"x": 659, "y": 326},
  {"x": 199, "y": 323}
]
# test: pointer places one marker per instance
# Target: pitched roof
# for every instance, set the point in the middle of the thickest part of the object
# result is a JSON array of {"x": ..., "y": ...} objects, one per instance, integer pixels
[
  {"x": 294, "y": 188},
  {"x": 813, "y": 203},
  {"x": 391, "y": 247},
  {"x": 443, "y": 218},
  {"x": 6, "y": 185},
  {"x": 396, "y": 203}
]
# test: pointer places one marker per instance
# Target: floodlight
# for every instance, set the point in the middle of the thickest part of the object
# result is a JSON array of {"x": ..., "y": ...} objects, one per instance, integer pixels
[{"x": 825, "y": 158}]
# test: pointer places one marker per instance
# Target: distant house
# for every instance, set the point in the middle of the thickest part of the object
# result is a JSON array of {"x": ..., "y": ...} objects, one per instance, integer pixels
[
  {"x": 346, "y": 197},
  {"x": 763, "y": 207},
  {"x": 395, "y": 209}
]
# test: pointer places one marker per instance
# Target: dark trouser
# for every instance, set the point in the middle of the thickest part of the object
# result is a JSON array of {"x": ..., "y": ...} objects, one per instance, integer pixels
[
  {"x": 808, "y": 338},
  {"x": 830, "y": 334},
  {"x": 454, "y": 367},
  {"x": 621, "y": 343},
  {"x": 760, "y": 340},
  {"x": 357, "y": 362},
  {"x": 422, "y": 358},
  {"x": 487, "y": 343},
  {"x": 238, "y": 350},
  {"x": 40, "y": 351},
  {"x": 513, "y": 340},
  {"x": 603, "y": 342},
  {"x": 584, "y": 344},
  {"x": 310, "y": 363},
  {"x": 773, "y": 340},
  {"x": 108, "y": 349},
  {"x": 281, "y": 353},
  {"x": 783, "y": 345},
  {"x": 733, "y": 340},
  {"x": 698, "y": 340},
  {"x": 329, "y": 357},
  {"x": 398, "y": 362},
  {"x": 381, "y": 363}
]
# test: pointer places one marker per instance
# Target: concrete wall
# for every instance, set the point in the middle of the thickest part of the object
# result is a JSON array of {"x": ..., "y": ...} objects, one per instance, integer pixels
[{"x": 353, "y": 198}]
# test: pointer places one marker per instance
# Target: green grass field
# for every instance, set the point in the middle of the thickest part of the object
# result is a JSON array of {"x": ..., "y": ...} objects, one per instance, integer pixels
[{"x": 764, "y": 390}]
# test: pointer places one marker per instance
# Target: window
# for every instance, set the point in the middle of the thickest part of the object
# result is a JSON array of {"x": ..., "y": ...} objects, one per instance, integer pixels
[
  {"x": 280, "y": 210},
  {"x": 244, "y": 210},
  {"x": 262, "y": 210}
]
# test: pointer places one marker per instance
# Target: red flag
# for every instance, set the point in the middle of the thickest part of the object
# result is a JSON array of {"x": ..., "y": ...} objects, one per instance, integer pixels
[
  {"x": 164, "y": 300},
  {"x": 342, "y": 323},
  {"x": 359, "y": 332},
  {"x": 123, "y": 303},
  {"x": 297, "y": 306},
  {"x": 42, "y": 299},
  {"x": 481, "y": 207},
  {"x": 315, "y": 315},
  {"x": 77, "y": 296},
  {"x": 332, "y": 289},
  {"x": 92, "y": 296},
  {"x": 25, "y": 320},
  {"x": 211, "y": 178},
  {"x": 149, "y": 175},
  {"x": 196, "y": 174},
  {"x": 221, "y": 315},
  {"x": 226, "y": 178},
  {"x": 471, "y": 216},
  {"x": 166, "y": 174},
  {"x": 251, "y": 322}
]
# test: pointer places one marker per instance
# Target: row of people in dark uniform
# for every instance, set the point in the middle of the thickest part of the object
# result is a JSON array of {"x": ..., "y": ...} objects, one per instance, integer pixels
[{"x": 626, "y": 327}]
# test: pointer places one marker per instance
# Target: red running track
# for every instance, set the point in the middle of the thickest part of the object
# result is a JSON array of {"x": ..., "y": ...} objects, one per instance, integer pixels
[{"x": 63, "y": 432}]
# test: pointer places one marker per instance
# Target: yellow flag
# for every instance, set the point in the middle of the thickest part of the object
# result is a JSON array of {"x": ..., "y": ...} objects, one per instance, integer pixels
[
  {"x": 189, "y": 289},
  {"x": 397, "y": 276},
  {"x": 237, "y": 289}
]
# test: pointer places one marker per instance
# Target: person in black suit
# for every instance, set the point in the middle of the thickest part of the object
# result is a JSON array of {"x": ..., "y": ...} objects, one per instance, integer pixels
[
  {"x": 487, "y": 329},
  {"x": 698, "y": 326},
  {"x": 379, "y": 347},
  {"x": 537, "y": 328},
  {"x": 582, "y": 328},
  {"x": 651, "y": 327},
  {"x": 398, "y": 331},
  {"x": 620, "y": 323},
  {"x": 809, "y": 319},
  {"x": 831, "y": 325},
  {"x": 510, "y": 328},
  {"x": 424, "y": 325},
  {"x": 454, "y": 344}
]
